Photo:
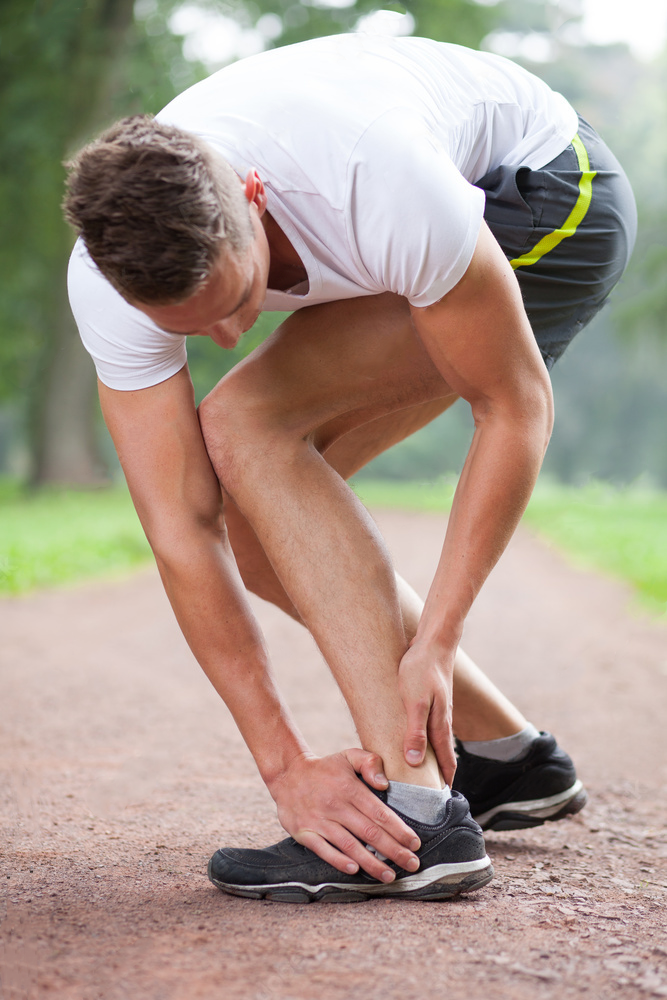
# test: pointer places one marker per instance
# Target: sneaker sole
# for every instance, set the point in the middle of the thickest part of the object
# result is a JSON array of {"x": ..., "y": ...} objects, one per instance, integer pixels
[
  {"x": 438, "y": 882},
  {"x": 535, "y": 812}
]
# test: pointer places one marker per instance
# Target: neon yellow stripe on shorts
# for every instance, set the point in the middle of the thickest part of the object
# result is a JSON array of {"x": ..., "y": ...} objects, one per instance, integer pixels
[{"x": 574, "y": 219}]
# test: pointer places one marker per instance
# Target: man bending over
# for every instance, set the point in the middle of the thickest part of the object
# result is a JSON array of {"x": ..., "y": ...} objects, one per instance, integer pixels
[{"x": 440, "y": 224}]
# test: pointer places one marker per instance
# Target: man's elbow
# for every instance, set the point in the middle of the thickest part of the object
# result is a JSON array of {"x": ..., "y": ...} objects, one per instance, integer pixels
[
  {"x": 179, "y": 539},
  {"x": 536, "y": 411},
  {"x": 545, "y": 407},
  {"x": 529, "y": 409}
]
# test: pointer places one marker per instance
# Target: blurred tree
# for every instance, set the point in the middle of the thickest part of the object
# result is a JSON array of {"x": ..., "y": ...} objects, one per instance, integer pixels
[
  {"x": 56, "y": 73},
  {"x": 462, "y": 21},
  {"x": 611, "y": 387},
  {"x": 284, "y": 22},
  {"x": 63, "y": 71},
  {"x": 67, "y": 68},
  {"x": 625, "y": 100},
  {"x": 642, "y": 311},
  {"x": 611, "y": 391}
]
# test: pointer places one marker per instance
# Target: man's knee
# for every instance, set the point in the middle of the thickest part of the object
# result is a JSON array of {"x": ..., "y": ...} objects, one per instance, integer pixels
[
  {"x": 225, "y": 434},
  {"x": 242, "y": 433}
]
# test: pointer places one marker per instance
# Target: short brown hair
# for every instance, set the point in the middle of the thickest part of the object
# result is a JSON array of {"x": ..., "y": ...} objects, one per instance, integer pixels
[{"x": 155, "y": 209}]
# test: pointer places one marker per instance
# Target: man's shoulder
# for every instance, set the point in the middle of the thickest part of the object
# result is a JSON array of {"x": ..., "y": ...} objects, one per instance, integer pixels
[
  {"x": 129, "y": 351},
  {"x": 89, "y": 291}
]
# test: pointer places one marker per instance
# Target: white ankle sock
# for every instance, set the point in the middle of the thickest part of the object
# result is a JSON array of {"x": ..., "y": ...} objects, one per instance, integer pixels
[
  {"x": 509, "y": 748},
  {"x": 426, "y": 805}
]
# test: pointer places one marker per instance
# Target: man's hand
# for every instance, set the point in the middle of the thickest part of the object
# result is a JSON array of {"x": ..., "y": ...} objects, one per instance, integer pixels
[
  {"x": 323, "y": 804},
  {"x": 425, "y": 684}
]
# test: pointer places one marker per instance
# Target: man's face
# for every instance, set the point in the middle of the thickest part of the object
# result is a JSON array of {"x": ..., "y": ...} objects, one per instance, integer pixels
[{"x": 229, "y": 302}]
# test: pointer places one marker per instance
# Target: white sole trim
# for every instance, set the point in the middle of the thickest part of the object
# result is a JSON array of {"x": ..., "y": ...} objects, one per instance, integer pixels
[
  {"x": 538, "y": 808},
  {"x": 437, "y": 873}
]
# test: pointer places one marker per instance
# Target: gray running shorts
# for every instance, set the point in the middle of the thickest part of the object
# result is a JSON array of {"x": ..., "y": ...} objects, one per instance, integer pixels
[{"x": 568, "y": 230}]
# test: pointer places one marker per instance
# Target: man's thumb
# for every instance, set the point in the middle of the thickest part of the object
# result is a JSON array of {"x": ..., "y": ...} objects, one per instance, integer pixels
[{"x": 414, "y": 744}]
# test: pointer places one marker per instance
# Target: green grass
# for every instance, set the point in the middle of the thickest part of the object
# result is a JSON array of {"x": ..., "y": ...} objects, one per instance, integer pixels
[
  {"x": 59, "y": 537},
  {"x": 622, "y": 532},
  {"x": 433, "y": 497}
]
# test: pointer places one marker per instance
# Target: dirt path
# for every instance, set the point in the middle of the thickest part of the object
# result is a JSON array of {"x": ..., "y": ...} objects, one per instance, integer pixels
[{"x": 121, "y": 773}]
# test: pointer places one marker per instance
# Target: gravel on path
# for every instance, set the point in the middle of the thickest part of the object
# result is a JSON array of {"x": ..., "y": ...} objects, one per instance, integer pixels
[{"x": 121, "y": 772}]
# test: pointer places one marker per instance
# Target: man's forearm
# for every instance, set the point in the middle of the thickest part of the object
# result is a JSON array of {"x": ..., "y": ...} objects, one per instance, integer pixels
[
  {"x": 480, "y": 339},
  {"x": 177, "y": 497},
  {"x": 211, "y": 606},
  {"x": 498, "y": 477},
  {"x": 496, "y": 483}
]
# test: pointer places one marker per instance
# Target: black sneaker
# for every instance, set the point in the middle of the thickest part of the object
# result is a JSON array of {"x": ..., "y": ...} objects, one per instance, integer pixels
[
  {"x": 453, "y": 860},
  {"x": 518, "y": 794}
]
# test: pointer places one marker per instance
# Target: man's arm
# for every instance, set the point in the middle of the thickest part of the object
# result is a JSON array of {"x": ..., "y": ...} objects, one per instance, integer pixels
[
  {"x": 480, "y": 339},
  {"x": 177, "y": 496}
]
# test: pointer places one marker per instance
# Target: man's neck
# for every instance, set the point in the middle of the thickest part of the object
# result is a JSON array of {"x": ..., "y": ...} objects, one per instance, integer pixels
[{"x": 286, "y": 267}]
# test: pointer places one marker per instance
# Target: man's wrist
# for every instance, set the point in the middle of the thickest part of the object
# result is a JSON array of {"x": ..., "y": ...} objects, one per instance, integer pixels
[
  {"x": 439, "y": 637},
  {"x": 277, "y": 762}
]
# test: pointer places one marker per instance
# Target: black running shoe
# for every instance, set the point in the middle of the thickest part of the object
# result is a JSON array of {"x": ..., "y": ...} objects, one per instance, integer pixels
[
  {"x": 453, "y": 860},
  {"x": 518, "y": 794}
]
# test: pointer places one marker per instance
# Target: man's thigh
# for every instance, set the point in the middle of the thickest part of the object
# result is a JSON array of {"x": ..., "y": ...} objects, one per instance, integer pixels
[{"x": 330, "y": 370}]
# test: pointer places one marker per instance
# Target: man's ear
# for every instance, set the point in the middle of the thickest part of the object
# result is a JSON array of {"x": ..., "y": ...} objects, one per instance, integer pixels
[{"x": 255, "y": 192}]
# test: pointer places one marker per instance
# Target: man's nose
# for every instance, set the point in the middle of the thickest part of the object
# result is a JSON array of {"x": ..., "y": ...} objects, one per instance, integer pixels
[
  {"x": 225, "y": 333},
  {"x": 250, "y": 319}
]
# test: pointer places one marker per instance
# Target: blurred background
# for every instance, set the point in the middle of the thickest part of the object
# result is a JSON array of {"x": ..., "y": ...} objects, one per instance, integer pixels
[{"x": 70, "y": 67}]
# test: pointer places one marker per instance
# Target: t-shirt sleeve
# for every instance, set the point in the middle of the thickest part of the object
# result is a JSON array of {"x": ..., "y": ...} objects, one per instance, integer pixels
[
  {"x": 413, "y": 220},
  {"x": 129, "y": 351}
]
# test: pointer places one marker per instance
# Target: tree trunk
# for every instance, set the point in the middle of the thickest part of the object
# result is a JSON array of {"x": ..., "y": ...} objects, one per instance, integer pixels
[{"x": 64, "y": 442}]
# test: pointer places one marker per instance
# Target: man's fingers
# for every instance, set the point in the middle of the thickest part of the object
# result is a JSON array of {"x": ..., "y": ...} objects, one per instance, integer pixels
[
  {"x": 414, "y": 744},
  {"x": 342, "y": 850},
  {"x": 386, "y": 846},
  {"x": 355, "y": 849},
  {"x": 345, "y": 846},
  {"x": 376, "y": 816},
  {"x": 369, "y": 766},
  {"x": 358, "y": 834},
  {"x": 318, "y": 845}
]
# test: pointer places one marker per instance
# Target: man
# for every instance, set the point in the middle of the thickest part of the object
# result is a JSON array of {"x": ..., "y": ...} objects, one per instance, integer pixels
[{"x": 345, "y": 179}]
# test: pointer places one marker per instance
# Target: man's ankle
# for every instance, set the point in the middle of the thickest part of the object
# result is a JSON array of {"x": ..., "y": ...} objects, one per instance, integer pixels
[
  {"x": 425, "y": 805},
  {"x": 507, "y": 749}
]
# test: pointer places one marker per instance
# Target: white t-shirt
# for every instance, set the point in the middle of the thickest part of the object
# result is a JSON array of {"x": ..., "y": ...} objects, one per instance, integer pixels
[{"x": 368, "y": 148}]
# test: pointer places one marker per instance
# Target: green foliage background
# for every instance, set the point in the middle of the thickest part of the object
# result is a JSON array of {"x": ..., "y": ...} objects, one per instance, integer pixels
[
  {"x": 69, "y": 67},
  {"x": 58, "y": 538},
  {"x": 621, "y": 532}
]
